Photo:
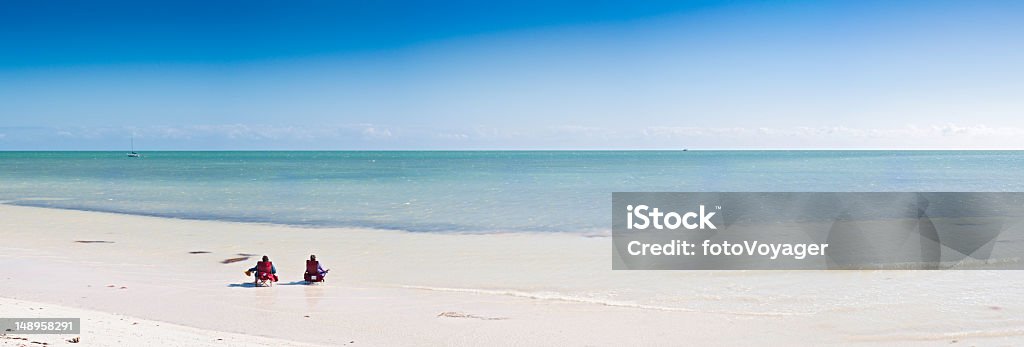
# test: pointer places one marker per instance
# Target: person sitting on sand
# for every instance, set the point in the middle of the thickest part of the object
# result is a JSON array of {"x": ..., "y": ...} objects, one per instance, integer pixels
[
  {"x": 259, "y": 264},
  {"x": 313, "y": 267}
]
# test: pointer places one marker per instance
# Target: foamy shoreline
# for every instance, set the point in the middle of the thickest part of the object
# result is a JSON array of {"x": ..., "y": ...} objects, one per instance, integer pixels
[{"x": 400, "y": 288}]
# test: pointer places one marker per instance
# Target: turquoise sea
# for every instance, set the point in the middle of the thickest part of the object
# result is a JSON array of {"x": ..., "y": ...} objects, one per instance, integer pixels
[{"x": 463, "y": 191}]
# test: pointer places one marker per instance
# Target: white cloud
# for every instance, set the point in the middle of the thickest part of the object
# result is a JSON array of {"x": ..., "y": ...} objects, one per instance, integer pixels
[
  {"x": 376, "y": 133},
  {"x": 371, "y": 136},
  {"x": 911, "y": 136},
  {"x": 453, "y": 136}
]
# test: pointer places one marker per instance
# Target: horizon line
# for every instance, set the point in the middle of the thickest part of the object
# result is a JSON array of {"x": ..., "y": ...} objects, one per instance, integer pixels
[{"x": 779, "y": 149}]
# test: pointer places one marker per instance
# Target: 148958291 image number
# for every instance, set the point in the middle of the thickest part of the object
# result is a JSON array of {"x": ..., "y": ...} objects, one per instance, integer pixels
[
  {"x": 45, "y": 326},
  {"x": 40, "y": 325}
]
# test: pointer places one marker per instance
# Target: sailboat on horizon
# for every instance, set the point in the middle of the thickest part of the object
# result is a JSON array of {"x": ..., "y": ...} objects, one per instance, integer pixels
[{"x": 134, "y": 154}]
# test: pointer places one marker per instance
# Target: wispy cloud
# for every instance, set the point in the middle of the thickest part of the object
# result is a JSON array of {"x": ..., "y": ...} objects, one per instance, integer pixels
[
  {"x": 241, "y": 132},
  {"x": 945, "y": 130},
  {"x": 375, "y": 133},
  {"x": 376, "y": 136}
]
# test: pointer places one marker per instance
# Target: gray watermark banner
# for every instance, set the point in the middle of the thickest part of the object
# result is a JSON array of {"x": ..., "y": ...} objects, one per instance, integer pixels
[
  {"x": 40, "y": 326},
  {"x": 817, "y": 231}
]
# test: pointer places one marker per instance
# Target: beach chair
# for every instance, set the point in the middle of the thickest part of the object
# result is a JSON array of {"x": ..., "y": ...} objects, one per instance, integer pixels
[
  {"x": 264, "y": 274},
  {"x": 312, "y": 274}
]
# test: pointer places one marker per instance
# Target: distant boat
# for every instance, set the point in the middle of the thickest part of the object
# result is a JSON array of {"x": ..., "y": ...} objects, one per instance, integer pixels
[{"x": 133, "y": 154}]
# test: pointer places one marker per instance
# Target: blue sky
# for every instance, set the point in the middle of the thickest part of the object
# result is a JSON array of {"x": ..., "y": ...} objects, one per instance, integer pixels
[{"x": 511, "y": 75}]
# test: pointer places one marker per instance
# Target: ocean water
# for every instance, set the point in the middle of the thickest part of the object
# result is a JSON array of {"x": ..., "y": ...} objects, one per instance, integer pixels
[{"x": 463, "y": 191}]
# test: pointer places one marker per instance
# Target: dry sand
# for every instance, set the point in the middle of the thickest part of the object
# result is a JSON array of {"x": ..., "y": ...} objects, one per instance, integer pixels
[
  {"x": 119, "y": 330},
  {"x": 400, "y": 288}
]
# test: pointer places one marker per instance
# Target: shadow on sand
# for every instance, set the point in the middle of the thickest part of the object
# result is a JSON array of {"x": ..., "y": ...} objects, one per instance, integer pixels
[
  {"x": 294, "y": 283},
  {"x": 252, "y": 285},
  {"x": 242, "y": 285}
]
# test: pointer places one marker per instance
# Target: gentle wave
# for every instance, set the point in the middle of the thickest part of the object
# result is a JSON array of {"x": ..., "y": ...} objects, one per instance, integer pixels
[
  {"x": 299, "y": 224},
  {"x": 963, "y": 264},
  {"x": 551, "y": 296},
  {"x": 942, "y": 336}
]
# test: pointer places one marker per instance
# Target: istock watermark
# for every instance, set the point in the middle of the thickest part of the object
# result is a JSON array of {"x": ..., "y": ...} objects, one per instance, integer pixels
[{"x": 817, "y": 231}]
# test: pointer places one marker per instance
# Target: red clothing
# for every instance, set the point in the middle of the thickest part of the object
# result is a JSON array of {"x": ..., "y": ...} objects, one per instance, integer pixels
[{"x": 265, "y": 270}]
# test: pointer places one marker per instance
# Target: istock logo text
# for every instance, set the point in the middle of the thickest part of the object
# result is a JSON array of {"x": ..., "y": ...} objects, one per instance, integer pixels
[{"x": 648, "y": 217}]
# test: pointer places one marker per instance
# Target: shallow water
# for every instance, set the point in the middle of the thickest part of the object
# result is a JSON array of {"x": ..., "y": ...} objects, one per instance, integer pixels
[{"x": 471, "y": 191}]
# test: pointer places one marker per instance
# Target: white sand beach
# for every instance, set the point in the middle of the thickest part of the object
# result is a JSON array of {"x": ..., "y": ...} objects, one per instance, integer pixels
[
  {"x": 158, "y": 281},
  {"x": 120, "y": 330}
]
